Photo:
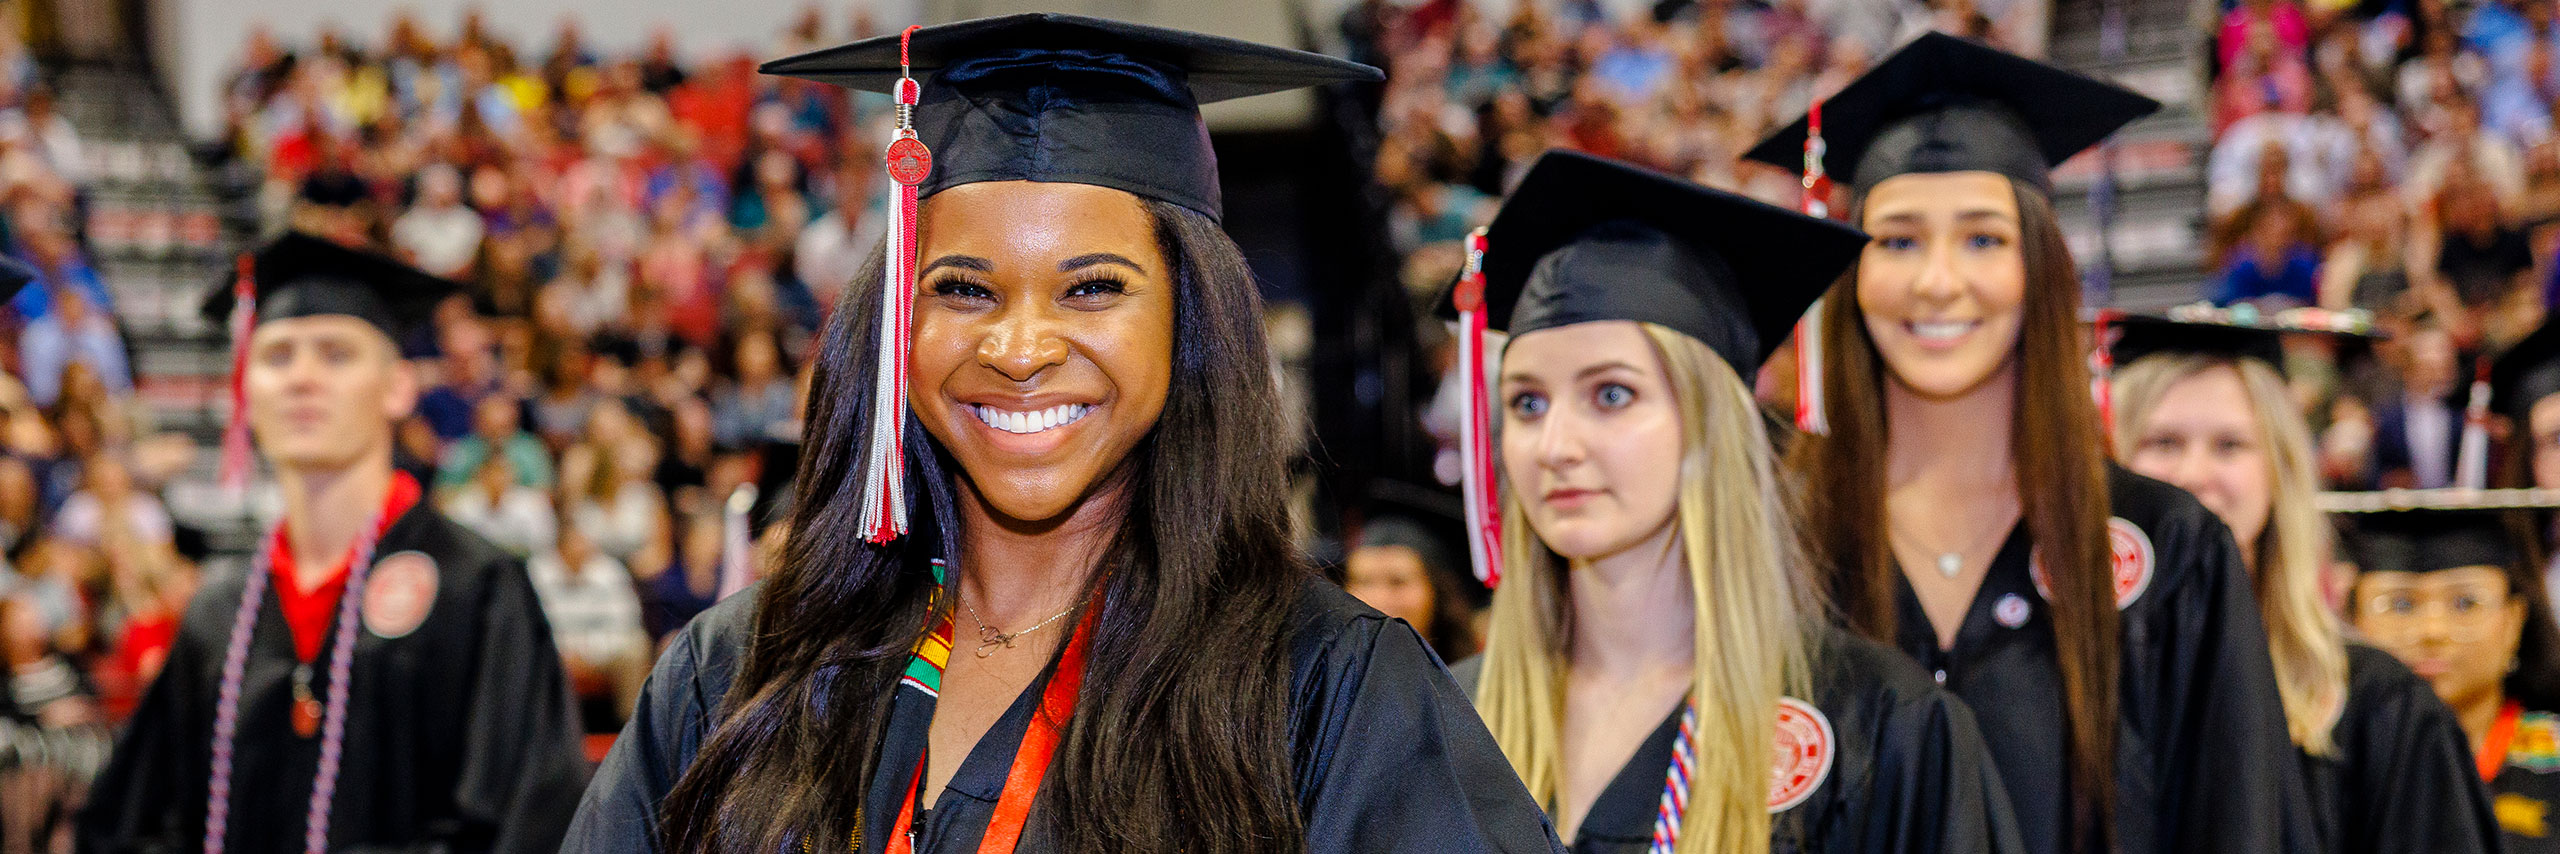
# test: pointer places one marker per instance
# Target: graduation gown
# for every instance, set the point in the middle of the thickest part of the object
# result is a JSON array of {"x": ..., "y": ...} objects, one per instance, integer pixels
[
  {"x": 2203, "y": 759},
  {"x": 1389, "y": 757},
  {"x": 459, "y": 733},
  {"x": 2528, "y": 787},
  {"x": 2402, "y": 779},
  {"x": 1910, "y": 774}
]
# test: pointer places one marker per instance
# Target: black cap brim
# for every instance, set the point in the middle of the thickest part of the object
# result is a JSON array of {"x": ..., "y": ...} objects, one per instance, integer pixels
[
  {"x": 300, "y": 275},
  {"x": 1220, "y": 68},
  {"x": 2136, "y": 336},
  {"x": 2062, "y": 112},
  {"x": 1734, "y": 273}
]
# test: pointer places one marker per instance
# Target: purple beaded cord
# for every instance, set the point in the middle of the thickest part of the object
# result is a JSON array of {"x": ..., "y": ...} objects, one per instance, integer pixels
[{"x": 235, "y": 664}]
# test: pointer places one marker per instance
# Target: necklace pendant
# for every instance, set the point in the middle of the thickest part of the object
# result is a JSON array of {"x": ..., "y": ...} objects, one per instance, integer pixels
[
  {"x": 1950, "y": 564},
  {"x": 306, "y": 708},
  {"x": 306, "y": 717}
]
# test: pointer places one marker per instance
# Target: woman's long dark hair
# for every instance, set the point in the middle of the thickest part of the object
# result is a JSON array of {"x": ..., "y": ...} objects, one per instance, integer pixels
[
  {"x": 2060, "y": 455},
  {"x": 1180, "y": 739}
]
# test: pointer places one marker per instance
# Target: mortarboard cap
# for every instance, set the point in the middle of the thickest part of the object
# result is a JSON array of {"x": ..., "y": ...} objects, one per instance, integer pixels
[
  {"x": 14, "y": 276},
  {"x": 299, "y": 275},
  {"x": 2432, "y": 530},
  {"x": 2235, "y": 333},
  {"x": 1944, "y": 104},
  {"x": 2527, "y": 372},
  {"x": 1585, "y": 239},
  {"x": 1065, "y": 98}
]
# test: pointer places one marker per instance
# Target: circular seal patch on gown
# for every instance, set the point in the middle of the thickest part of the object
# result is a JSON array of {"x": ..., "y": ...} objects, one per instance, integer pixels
[
  {"x": 398, "y": 594},
  {"x": 2129, "y": 556},
  {"x": 1806, "y": 747}
]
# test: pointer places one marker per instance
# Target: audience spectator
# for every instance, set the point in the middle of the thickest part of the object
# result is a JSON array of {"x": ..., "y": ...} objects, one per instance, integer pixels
[
  {"x": 75, "y": 332},
  {"x": 595, "y": 618},
  {"x": 108, "y": 506},
  {"x": 496, "y": 429},
  {"x": 749, "y": 407},
  {"x": 438, "y": 234},
  {"x": 516, "y": 517},
  {"x": 2276, "y": 263}
]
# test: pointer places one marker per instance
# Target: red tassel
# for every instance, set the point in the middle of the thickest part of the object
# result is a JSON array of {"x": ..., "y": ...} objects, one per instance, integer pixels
[
  {"x": 2102, "y": 369},
  {"x": 1475, "y": 440},
  {"x": 235, "y": 431},
  {"x": 1812, "y": 415},
  {"x": 884, "y": 500}
]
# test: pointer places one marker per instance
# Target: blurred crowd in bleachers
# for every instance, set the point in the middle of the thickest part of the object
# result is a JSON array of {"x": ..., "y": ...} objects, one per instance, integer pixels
[
  {"x": 651, "y": 238},
  {"x": 2394, "y": 156}
]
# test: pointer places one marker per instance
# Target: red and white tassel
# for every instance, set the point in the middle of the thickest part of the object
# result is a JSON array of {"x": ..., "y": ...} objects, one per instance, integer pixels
[
  {"x": 235, "y": 430},
  {"x": 1475, "y": 440},
  {"x": 2471, "y": 464},
  {"x": 884, "y": 480},
  {"x": 2103, "y": 369},
  {"x": 1812, "y": 415}
]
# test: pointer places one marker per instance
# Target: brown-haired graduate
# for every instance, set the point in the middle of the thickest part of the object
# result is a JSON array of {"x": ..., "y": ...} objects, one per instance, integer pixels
[
  {"x": 2202, "y": 403},
  {"x": 380, "y": 679},
  {"x": 1095, "y": 636},
  {"x": 1659, "y": 669},
  {"x": 1963, "y": 505},
  {"x": 2444, "y": 581}
]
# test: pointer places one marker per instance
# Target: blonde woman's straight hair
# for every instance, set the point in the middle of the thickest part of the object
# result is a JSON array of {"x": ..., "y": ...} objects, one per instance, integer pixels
[
  {"x": 1755, "y": 613},
  {"x": 2306, "y": 637}
]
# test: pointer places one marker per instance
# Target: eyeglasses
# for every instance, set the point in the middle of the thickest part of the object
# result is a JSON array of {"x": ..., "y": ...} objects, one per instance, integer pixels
[{"x": 2468, "y": 613}]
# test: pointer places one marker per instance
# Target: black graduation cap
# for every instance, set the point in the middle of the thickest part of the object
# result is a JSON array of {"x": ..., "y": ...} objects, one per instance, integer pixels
[
  {"x": 2231, "y": 333},
  {"x": 299, "y": 275},
  {"x": 1944, "y": 104},
  {"x": 2430, "y": 541},
  {"x": 1585, "y": 239},
  {"x": 14, "y": 276},
  {"x": 2527, "y": 373},
  {"x": 1066, "y": 98},
  {"x": 2431, "y": 530}
]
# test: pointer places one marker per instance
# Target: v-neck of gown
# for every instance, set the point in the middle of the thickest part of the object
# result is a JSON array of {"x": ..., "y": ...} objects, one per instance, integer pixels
[
  {"x": 2010, "y": 574},
  {"x": 954, "y": 818},
  {"x": 1623, "y": 813}
]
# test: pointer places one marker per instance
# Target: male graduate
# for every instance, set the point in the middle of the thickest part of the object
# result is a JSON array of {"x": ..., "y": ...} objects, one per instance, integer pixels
[{"x": 380, "y": 679}]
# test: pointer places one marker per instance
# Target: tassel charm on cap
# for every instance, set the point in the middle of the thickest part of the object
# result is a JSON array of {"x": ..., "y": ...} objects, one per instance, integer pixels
[
  {"x": 1812, "y": 416},
  {"x": 884, "y": 481},
  {"x": 235, "y": 430},
  {"x": 1475, "y": 444}
]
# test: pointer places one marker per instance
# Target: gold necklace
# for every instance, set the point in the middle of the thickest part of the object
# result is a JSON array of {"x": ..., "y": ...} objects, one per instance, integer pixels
[{"x": 990, "y": 640}]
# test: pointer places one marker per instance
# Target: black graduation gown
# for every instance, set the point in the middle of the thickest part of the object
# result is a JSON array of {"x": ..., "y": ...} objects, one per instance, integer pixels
[
  {"x": 2402, "y": 780},
  {"x": 1389, "y": 756},
  {"x": 459, "y": 734},
  {"x": 2528, "y": 787},
  {"x": 1910, "y": 775},
  {"x": 2203, "y": 758}
]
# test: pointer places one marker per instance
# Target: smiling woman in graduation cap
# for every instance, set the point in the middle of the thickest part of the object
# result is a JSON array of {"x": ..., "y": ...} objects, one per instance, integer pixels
[
  {"x": 1963, "y": 506},
  {"x": 1659, "y": 669},
  {"x": 2202, "y": 404},
  {"x": 1050, "y": 603},
  {"x": 381, "y": 678},
  {"x": 2444, "y": 583}
]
